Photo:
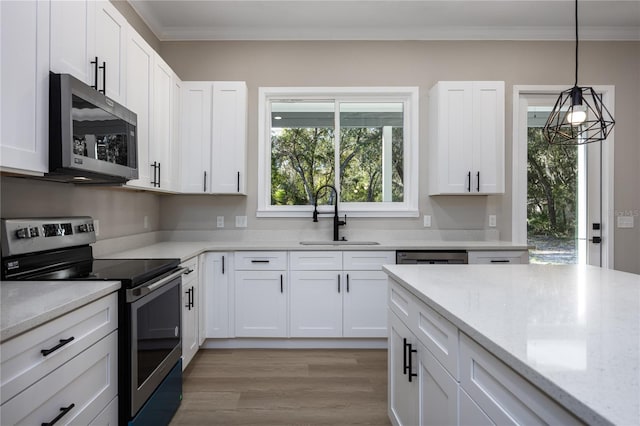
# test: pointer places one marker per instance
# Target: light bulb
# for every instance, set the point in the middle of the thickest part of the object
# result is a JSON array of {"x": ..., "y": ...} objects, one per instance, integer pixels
[{"x": 577, "y": 115}]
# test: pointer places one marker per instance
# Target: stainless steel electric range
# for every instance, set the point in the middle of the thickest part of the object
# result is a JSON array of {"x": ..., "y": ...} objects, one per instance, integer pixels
[{"x": 149, "y": 325}]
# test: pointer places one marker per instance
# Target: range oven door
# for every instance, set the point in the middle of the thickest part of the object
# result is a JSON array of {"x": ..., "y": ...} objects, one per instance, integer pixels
[{"x": 155, "y": 345}]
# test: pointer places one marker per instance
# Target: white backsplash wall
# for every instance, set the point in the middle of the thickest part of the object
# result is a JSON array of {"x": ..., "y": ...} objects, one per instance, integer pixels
[{"x": 120, "y": 212}]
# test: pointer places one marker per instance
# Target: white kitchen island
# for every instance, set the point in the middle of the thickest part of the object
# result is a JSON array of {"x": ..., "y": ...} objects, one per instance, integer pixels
[{"x": 558, "y": 342}]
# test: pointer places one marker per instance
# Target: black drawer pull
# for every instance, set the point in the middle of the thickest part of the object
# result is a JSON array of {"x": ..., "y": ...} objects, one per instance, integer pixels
[
  {"x": 281, "y": 283},
  {"x": 500, "y": 261},
  {"x": 188, "y": 271},
  {"x": 222, "y": 265},
  {"x": 469, "y": 182},
  {"x": 259, "y": 261},
  {"x": 63, "y": 342},
  {"x": 404, "y": 356},
  {"x": 63, "y": 412},
  {"x": 347, "y": 283},
  {"x": 478, "y": 184},
  {"x": 338, "y": 283}
]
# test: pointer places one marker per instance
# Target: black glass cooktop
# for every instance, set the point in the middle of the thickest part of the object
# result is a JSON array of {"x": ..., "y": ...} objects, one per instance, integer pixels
[{"x": 132, "y": 272}]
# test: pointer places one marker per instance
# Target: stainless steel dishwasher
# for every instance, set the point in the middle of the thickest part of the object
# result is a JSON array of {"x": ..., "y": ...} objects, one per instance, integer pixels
[{"x": 414, "y": 257}]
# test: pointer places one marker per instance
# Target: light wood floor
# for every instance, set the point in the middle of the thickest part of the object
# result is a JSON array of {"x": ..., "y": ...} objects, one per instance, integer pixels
[{"x": 285, "y": 387}]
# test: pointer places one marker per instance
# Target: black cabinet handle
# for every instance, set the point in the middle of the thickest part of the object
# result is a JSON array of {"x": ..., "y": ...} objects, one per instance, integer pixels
[
  {"x": 95, "y": 73},
  {"x": 338, "y": 283},
  {"x": 193, "y": 297},
  {"x": 260, "y": 261},
  {"x": 222, "y": 265},
  {"x": 404, "y": 356},
  {"x": 159, "y": 170},
  {"x": 188, "y": 271},
  {"x": 63, "y": 342},
  {"x": 281, "y": 283},
  {"x": 104, "y": 78},
  {"x": 155, "y": 166},
  {"x": 238, "y": 181},
  {"x": 478, "y": 184},
  {"x": 63, "y": 412},
  {"x": 205, "y": 181},
  {"x": 469, "y": 182},
  {"x": 411, "y": 373},
  {"x": 500, "y": 261},
  {"x": 347, "y": 283},
  {"x": 188, "y": 305}
]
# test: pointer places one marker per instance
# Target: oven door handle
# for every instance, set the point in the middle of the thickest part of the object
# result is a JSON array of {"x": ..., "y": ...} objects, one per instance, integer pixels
[{"x": 138, "y": 292}]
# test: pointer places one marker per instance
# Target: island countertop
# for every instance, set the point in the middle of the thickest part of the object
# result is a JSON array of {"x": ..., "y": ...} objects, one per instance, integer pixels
[{"x": 573, "y": 331}]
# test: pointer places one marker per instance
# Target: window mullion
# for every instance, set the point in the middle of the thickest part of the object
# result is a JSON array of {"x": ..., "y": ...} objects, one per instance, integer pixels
[{"x": 336, "y": 133}]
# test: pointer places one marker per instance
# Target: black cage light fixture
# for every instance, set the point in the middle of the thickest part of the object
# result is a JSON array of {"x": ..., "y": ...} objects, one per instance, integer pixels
[{"x": 579, "y": 116}]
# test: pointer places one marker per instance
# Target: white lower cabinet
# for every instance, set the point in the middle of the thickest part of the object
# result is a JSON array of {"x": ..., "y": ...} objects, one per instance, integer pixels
[
  {"x": 261, "y": 304},
  {"x": 215, "y": 269},
  {"x": 499, "y": 257},
  {"x": 403, "y": 386},
  {"x": 316, "y": 303},
  {"x": 438, "y": 404},
  {"x": 108, "y": 416},
  {"x": 364, "y": 304},
  {"x": 470, "y": 413},
  {"x": 77, "y": 391},
  {"x": 190, "y": 311}
]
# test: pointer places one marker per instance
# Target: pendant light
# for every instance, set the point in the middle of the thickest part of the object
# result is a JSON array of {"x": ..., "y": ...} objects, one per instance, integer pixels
[{"x": 579, "y": 116}]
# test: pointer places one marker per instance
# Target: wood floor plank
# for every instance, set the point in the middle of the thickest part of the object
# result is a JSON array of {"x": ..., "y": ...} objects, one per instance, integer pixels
[{"x": 285, "y": 387}]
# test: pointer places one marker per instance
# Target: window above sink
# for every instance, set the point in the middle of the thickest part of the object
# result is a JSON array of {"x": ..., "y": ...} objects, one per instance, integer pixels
[{"x": 363, "y": 141}]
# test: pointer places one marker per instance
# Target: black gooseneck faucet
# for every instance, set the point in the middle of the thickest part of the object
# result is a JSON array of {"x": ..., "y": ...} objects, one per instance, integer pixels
[{"x": 337, "y": 223}]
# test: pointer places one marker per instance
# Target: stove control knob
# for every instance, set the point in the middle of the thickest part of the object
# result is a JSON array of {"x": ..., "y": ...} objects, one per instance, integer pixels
[
  {"x": 24, "y": 233},
  {"x": 85, "y": 227}
]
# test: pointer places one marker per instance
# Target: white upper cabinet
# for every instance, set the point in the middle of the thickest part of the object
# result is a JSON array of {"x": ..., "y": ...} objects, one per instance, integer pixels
[
  {"x": 139, "y": 69},
  {"x": 160, "y": 144},
  {"x": 214, "y": 137},
  {"x": 229, "y": 138},
  {"x": 195, "y": 147},
  {"x": 111, "y": 43},
  {"x": 24, "y": 86},
  {"x": 466, "y": 137},
  {"x": 88, "y": 41}
]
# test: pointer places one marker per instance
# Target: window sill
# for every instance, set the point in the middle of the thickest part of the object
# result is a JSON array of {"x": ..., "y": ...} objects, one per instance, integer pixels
[{"x": 308, "y": 212}]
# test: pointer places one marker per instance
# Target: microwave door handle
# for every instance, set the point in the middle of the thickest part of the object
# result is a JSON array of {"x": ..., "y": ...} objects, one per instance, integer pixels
[{"x": 144, "y": 290}]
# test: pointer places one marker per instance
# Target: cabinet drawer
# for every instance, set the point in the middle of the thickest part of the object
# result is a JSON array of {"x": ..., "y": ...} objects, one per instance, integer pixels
[
  {"x": 502, "y": 394},
  {"x": 108, "y": 416},
  {"x": 316, "y": 260},
  {"x": 260, "y": 260},
  {"x": 437, "y": 334},
  {"x": 88, "y": 381},
  {"x": 400, "y": 301},
  {"x": 192, "y": 265},
  {"x": 22, "y": 362},
  {"x": 368, "y": 260},
  {"x": 499, "y": 257}
]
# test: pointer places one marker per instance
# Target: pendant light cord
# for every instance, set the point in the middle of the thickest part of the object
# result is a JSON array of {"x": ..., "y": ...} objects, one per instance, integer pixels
[{"x": 576, "y": 12}]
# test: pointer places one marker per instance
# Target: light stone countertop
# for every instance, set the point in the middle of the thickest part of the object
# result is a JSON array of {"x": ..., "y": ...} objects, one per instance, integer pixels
[
  {"x": 29, "y": 304},
  {"x": 572, "y": 331},
  {"x": 187, "y": 250}
]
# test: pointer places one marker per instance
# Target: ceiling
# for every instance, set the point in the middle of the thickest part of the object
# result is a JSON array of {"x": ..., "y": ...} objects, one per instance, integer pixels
[{"x": 389, "y": 19}]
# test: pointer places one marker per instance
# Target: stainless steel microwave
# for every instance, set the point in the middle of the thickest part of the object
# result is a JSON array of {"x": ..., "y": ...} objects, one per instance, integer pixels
[{"x": 92, "y": 139}]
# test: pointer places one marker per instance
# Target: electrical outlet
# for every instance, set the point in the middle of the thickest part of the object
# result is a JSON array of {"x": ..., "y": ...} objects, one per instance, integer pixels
[
  {"x": 96, "y": 226},
  {"x": 220, "y": 221},
  {"x": 241, "y": 221},
  {"x": 146, "y": 222},
  {"x": 427, "y": 221},
  {"x": 492, "y": 220}
]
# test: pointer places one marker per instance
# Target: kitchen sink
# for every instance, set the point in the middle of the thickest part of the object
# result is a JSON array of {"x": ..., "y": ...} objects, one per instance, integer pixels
[{"x": 339, "y": 243}]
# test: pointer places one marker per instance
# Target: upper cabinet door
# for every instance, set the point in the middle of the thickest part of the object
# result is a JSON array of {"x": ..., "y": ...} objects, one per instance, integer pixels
[
  {"x": 160, "y": 143},
  {"x": 466, "y": 137},
  {"x": 73, "y": 39},
  {"x": 111, "y": 44},
  {"x": 195, "y": 146},
  {"x": 24, "y": 86},
  {"x": 229, "y": 138},
  {"x": 139, "y": 67}
]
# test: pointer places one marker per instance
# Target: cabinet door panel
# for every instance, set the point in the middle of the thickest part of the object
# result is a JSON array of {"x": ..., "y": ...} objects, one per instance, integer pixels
[
  {"x": 403, "y": 395},
  {"x": 470, "y": 413},
  {"x": 216, "y": 294},
  {"x": 438, "y": 392},
  {"x": 189, "y": 325},
  {"x": 196, "y": 137},
  {"x": 72, "y": 39},
  {"x": 316, "y": 303},
  {"x": 261, "y": 303},
  {"x": 111, "y": 42},
  {"x": 488, "y": 135},
  {"x": 24, "y": 86},
  {"x": 365, "y": 304},
  {"x": 160, "y": 143}
]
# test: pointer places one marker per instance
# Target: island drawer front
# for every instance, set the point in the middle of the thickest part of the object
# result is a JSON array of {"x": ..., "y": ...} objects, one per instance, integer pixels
[
  {"x": 22, "y": 362},
  {"x": 316, "y": 260},
  {"x": 499, "y": 257},
  {"x": 89, "y": 381},
  {"x": 437, "y": 334},
  {"x": 368, "y": 260},
  {"x": 260, "y": 260},
  {"x": 400, "y": 301},
  {"x": 502, "y": 394}
]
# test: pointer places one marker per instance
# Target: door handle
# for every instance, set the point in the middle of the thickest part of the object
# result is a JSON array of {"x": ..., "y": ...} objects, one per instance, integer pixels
[
  {"x": 205, "y": 181},
  {"x": 238, "y": 181},
  {"x": 222, "y": 265},
  {"x": 63, "y": 412},
  {"x": 469, "y": 182},
  {"x": 596, "y": 240},
  {"x": 95, "y": 73},
  {"x": 281, "y": 283},
  {"x": 338, "y": 283},
  {"x": 405, "y": 345},
  {"x": 411, "y": 373},
  {"x": 104, "y": 78},
  {"x": 347, "y": 283},
  {"x": 478, "y": 183},
  {"x": 63, "y": 342}
]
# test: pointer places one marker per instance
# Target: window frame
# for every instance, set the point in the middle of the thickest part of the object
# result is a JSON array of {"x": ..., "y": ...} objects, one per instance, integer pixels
[{"x": 408, "y": 96}]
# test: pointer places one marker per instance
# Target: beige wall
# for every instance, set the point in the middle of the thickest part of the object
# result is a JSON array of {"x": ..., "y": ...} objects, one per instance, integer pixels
[
  {"x": 416, "y": 63},
  {"x": 136, "y": 22}
]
